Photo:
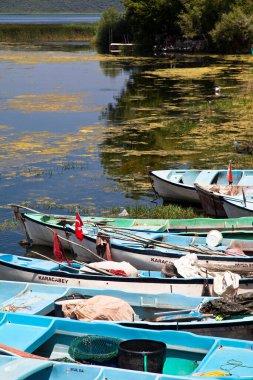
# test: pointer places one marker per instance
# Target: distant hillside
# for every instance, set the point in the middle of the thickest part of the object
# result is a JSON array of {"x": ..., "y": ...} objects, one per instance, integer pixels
[{"x": 48, "y": 6}]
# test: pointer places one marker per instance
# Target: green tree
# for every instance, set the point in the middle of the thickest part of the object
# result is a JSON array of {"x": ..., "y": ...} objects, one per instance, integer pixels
[
  {"x": 152, "y": 19},
  {"x": 234, "y": 32},
  {"x": 199, "y": 17}
]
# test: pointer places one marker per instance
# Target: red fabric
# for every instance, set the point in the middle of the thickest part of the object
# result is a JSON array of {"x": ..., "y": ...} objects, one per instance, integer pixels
[
  {"x": 108, "y": 251},
  {"x": 78, "y": 227},
  {"x": 234, "y": 252},
  {"x": 118, "y": 272},
  {"x": 229, "y": 174},
  {"x": 69, "y": 263},
  {"x": 57, "y": 248}
]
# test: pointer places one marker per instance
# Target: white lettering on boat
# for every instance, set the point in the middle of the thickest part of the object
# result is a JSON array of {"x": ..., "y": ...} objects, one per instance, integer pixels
[
  {"x": 155, "y": 260},
  {"x": 53, "y": 279}
]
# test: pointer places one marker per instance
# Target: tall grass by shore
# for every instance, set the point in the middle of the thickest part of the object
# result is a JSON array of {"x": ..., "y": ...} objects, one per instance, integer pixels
[{"x": 42, "y": 33}]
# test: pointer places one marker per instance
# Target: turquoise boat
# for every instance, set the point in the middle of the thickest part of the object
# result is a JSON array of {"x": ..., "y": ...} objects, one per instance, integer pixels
[
  {"x": 183, "y": 354},
  {"x": 157, "y": 311},
  {"x": 18, "y": 368},
  {"x": 40, "y": 299}
]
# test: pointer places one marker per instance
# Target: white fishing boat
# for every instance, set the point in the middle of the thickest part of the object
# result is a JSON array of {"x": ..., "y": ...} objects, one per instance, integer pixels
[
  {"x": 212, "y": 197},
  {"x": 238, "y": 206},
  {"x": 178, "y": 185},
  {"x": 25, "y": 269}
]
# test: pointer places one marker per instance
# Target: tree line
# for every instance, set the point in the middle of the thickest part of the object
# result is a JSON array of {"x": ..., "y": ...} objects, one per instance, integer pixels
[{"x": 222, "y": 25}]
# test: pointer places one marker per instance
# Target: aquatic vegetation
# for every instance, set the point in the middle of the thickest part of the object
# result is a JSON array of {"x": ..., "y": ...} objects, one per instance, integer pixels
[
  {"x": 170, "y": 211},
  {"x": 7, "y": 225},
  {"x": 187, "y": 73},
  {"x": 5, "y": 128},
  {"x": 50, "y": 103},
  {"x": 39, "y": 32},
  {"x": 33, "y": 58}
]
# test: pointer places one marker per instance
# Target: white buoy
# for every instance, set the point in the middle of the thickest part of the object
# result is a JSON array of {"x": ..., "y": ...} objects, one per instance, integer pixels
[{"x": 214, "y": 238}]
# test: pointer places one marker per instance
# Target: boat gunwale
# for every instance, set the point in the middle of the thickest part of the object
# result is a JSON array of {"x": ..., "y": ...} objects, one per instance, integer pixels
[{"x": 163, "y": 280}]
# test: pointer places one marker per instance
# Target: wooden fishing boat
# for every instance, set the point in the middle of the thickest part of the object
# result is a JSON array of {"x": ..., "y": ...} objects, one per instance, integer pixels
[
  {"x": 178, "y": 185},
  {"x": 211, "y": 197},
  {"x": 179, "y": 353},
  {"x": 151, "y": 251},
  {"x": 39, "y": 227},
  {"x": 157, "y": 311},
  {"x": 238, "y": 206},
  {"x": 25, "y": 269}
]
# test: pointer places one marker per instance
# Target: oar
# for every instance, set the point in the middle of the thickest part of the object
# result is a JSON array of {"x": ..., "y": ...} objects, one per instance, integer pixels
[
  {"x": 28, "y": 208},
  {"x": 157, "y": 243},
  {"x": 100, "y": 271},
  {"x": 182, "y": 317},
  {"x": 172, "y": 312},
  {"x": 23, "y": 354}
]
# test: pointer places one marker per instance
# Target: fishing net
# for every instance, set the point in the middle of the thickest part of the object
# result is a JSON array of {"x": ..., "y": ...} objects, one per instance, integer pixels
[
  {"x": 239, "y": 305},
  {"x": 94, "y": 347}
]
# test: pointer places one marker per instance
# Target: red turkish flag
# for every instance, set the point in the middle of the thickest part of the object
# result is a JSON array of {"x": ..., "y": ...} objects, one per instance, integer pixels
[
  {"x": 78, "y": 227},
  {"x": 229, "y": 173}
]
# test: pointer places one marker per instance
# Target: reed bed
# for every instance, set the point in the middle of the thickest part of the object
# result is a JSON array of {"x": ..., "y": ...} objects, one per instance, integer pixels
[
  {"x": 46, "y": 33},
  {"x": 170, "y": 211}
]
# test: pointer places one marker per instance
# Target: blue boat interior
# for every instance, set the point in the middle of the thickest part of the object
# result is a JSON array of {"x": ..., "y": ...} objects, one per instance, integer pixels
[
  {"x": 185, "y": 353},
  {"x": 44, "y": 299},
  {"x": 34, "y": 369},
  {"x": 206, "y": 177}
]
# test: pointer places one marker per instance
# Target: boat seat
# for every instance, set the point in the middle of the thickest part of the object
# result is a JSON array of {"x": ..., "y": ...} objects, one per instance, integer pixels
[
  {"x": 44, "y": 264},
  {"x": 189, "y": 177},
  {"x": 21, "y": 336},
  {"x": 206, "y": 177},
  {"x": 222, "y": 177},
  {"x": 223, "y": 358},
  {"x": 23, "y": 368},
  {"x": 246, "y": 180}
]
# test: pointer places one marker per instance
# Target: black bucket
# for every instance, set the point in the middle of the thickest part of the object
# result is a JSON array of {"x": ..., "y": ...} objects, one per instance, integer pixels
[
  {"x": 58, "y": 308},
  {"x": 142, "y": 355}
]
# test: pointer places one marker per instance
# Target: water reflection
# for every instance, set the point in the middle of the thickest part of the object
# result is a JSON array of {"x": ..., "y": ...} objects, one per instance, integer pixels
[{"x": 79, "y": 129}]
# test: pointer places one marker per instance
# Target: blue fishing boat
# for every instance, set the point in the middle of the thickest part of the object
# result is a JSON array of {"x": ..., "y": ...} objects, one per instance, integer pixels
[
  {"x": 26, "y": 269},
  {"x": 174, "y": 353},
  {"x": 150, "y": 250},
  {"x": 158, "y": 311},
  {"x": 178, "y": 185},
  {"x": 32, "y": 298},
  {"x": 18, "y": 368}
]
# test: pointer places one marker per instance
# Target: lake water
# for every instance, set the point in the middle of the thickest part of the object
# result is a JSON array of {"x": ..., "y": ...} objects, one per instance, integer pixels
[
  {"x": 81, "y": 130},
  {"x": 49, "y": 18}
]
